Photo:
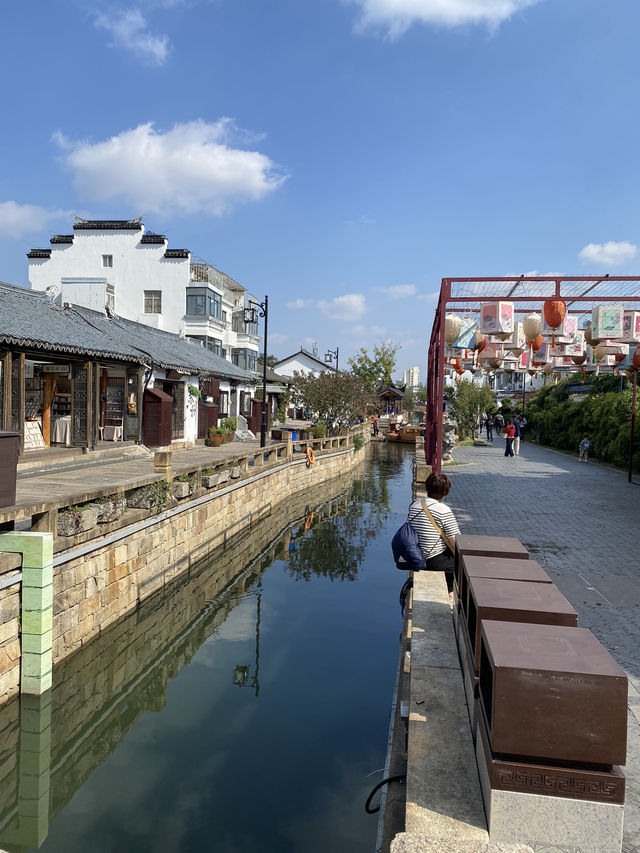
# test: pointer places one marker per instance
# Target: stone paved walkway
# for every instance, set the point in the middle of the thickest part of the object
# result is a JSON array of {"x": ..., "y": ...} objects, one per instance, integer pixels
[{"x": 582, "y": 524}]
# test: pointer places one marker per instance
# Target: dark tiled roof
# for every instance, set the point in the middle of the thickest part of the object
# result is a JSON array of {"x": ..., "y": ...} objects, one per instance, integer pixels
[
  {"x": 176, "y": 253},
  {"x": 39, "y": 253},
  {"x": 107, "y": 225},
  {"x": 62, "y": 238},
  {"x": 153, "y": 238},
  {"x": 29, "y": 320}
]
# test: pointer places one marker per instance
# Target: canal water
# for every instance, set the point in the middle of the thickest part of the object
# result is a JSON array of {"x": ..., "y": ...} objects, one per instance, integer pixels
[{"x": 243, "y": 710}]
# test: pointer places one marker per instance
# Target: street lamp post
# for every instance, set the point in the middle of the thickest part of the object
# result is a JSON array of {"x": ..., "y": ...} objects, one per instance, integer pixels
[
  {"x": 251, "y": 314},
  {"x": 330, "y": 354}
]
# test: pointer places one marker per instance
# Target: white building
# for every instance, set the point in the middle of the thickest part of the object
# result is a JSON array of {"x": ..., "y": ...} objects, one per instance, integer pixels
[
  {"x": 411, "y": 378},
  {"x": 115, "y": 266},
  {"x": 300, "y": 362}
]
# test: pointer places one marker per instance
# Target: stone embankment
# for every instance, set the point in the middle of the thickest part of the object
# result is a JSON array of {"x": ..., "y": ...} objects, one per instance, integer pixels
[
  {"x": 438, "y": 809},
  {"x": 101, "y": 574}
]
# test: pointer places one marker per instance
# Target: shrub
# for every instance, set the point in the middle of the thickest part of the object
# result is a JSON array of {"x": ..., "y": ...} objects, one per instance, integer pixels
[
  {"x": 320, "y": 429},
  {"x": 358, "y": 442}
]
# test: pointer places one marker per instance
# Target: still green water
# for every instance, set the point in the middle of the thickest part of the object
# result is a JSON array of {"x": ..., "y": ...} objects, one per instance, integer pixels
[{"x": 245, "y": 710}]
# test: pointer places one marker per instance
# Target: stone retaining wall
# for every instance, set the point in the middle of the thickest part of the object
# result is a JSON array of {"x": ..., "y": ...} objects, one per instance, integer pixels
[
  {"x": 101, "y": 690},
  {"x": 98, "y": 583}
]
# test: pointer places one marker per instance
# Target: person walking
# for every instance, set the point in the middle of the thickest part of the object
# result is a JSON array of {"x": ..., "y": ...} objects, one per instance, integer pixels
[
  {"x": 516, "y": 437},
  {"x": 436, "y": 526},
  {"x": 509, "y": 434},
  {"x": 489, "y": 426},
  {"x": 585, "y": 444},
  {"x": 499, "y": 423}
]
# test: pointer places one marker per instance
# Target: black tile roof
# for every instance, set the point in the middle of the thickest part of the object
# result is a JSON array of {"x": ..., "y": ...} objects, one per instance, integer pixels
[
  {"x": 176, "y": 253},
  {"x": 153, "y": 238},
  {"x": 62, "y": 238},
  {"x": 29, "y": 320},
  {"x": 39, "y": 253},
  {"x": 107, "y": 224}
]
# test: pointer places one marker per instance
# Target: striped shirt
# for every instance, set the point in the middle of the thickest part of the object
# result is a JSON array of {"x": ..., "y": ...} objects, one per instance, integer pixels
[{"x": 431, "y": 543}]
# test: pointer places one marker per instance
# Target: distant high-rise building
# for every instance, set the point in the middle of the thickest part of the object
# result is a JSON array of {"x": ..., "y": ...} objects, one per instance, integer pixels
[{"x": 411, "y": 378}]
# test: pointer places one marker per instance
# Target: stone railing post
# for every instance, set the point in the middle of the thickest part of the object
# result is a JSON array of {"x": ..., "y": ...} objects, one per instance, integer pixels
[
  {"x": 37, "y": 607},
  {"x": 162, "y": 463}
]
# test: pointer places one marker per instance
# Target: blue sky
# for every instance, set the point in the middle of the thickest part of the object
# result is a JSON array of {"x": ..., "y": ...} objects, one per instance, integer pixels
[{"x": 340, "y": 155}]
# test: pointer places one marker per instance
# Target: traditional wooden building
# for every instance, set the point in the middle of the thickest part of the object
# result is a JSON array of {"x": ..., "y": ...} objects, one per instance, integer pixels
[{"x": 70, "y": 376}]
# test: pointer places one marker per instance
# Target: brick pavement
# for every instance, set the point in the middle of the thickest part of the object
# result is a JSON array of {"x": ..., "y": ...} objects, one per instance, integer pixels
[{"x": 581, "y": 522}]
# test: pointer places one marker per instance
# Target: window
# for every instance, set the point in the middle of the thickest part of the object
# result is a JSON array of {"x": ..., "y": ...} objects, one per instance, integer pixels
[
  {"x": 110, "y": 297},
  {"x": 245, "y": 403},
  {"x": 247, "y": 359},
  {"x": 203, "y": 302},
  {"x": 153, "y": 302},
  {"x": 107, "y": 260},
  {"x": 238, "y": 324}
]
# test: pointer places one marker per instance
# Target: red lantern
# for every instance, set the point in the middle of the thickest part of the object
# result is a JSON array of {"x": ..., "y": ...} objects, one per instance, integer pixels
[
  {"x": 554, "y": 311},
  {"x": 619, "y": 357},
  {"x": 536, "y": 343}
]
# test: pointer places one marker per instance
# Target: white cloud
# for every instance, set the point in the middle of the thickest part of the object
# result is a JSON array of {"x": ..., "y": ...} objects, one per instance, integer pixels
[
  {"x": 191, "y": 168},
  {"x": 18, "y": 220},
  {"x": 299, "y": 304},
  {"x": 349, "y": 307},
  {"x": 396, "y": 16},
  {"x": 129, "y": 31},
  {"x": 427, "y": 297},
  {"x": 398, "y": 291},
  {"x": 608, "y": 254}
]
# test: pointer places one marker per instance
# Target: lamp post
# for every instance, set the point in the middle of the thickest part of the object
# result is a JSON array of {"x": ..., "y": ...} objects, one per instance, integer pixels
[
  {"x": 330, "y": 354},
  {"x": 251, "y": 314}
]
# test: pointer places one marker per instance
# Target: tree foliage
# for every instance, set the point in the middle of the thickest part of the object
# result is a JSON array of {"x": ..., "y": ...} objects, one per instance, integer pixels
[
  {"x": 469, "y": 401},
  {"x": 332, "y": 397},
  {"x": 557, "y": 420},
  {"x": 375, "y": 370}
]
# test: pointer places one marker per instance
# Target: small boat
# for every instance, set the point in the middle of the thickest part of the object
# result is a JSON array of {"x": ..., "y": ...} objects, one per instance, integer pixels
[{"x": 404, "y": 433}]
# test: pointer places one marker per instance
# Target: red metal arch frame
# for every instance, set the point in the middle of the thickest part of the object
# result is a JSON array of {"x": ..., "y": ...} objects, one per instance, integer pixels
[{"x": 580, "y": 293}]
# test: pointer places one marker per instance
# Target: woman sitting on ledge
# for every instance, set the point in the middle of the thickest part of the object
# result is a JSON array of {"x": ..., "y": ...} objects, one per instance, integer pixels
[{"x": 436, "y": 527}]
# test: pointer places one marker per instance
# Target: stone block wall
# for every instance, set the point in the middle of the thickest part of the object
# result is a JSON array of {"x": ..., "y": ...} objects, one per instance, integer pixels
[
  {"x": 10, "y": 565},
  {"x": 101, "y": 690},
  {"x": 94, "y": 590}
]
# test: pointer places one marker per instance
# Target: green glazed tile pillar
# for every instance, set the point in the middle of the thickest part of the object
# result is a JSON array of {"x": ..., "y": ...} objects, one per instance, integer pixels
[{"x": 37, "y": 607}]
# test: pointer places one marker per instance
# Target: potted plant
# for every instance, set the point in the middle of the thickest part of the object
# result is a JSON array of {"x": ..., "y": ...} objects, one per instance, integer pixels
[
  {"x": 229, "y": 426},
  {"x": 216, "y": 436},
  {"x": 210, "y": 478},
  {"x": 77, "y": 519}
]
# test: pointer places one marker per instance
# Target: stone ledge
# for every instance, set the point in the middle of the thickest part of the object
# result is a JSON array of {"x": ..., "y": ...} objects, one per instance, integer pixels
[{"x": 406, "y": 843}]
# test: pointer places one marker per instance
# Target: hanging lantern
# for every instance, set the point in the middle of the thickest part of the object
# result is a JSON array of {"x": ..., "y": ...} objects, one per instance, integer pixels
[
  {"x": 495, "y": 362},
  {"x": 459, "y": 371},
  {"x": 536, "y": 343},
  {"x": 619, "y": 358},
  {"x": 478, "y": 340},
  {"x": 635, "y": 361},
  {"x": 452, "y": 326},
  {"x": 531, "y": 372},
  {"x": 579, "y": 359},
  {"x": 548, "y": 369},
  {"x": 599, "y": 352},
  {"x": 588, "y": 336},
  {"x": 531, "y": 326},
  {"x": 554, "y": 311}
]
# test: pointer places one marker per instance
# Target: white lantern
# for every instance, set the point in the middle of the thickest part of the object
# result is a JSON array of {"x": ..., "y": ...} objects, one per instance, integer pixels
[{"x": 452, "y": 326}]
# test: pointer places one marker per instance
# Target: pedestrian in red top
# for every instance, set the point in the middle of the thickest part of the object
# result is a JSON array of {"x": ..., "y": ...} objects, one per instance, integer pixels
[{"x": 509, "y": 434}]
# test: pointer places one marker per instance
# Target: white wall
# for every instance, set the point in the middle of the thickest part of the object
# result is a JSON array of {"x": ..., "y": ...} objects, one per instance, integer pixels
[
  {"x": 301, "y": 364},
  {"x": 136, "y": 267}
]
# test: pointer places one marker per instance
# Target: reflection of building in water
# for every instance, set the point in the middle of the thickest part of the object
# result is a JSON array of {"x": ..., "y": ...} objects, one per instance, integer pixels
[{"x": 50, "y": 748}]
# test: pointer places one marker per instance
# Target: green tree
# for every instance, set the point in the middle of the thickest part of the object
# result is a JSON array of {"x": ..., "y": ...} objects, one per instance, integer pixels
[
  {"x": 468, "y": 401},
  {"x": 271, "y": 360},
  {"x": 333, "y": 397},
  {"x": 375, "y": 370}
]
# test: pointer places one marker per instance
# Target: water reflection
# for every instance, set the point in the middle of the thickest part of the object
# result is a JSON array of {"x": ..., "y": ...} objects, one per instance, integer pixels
[
  {"x": 208, "y": 651},
  {"x": 100, "y": 692}
]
